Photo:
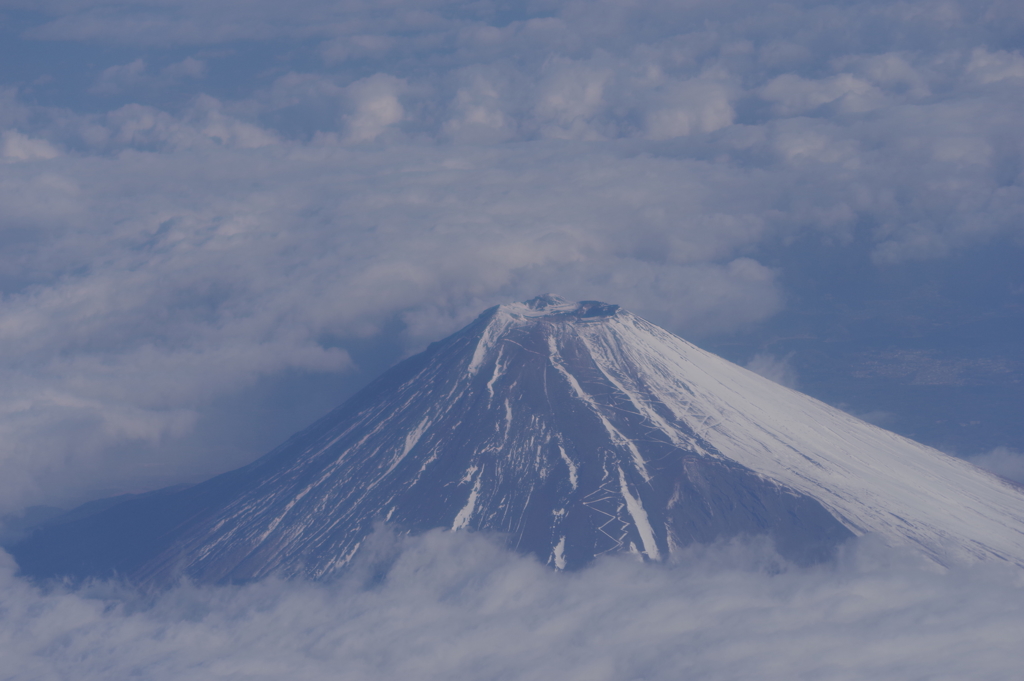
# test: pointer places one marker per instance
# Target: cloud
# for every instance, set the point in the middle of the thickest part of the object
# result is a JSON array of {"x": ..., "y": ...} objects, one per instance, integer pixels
[
  {"x": 1002, "y": 461},
  {"x": 124, "y": 77},
  {"x": 17, "y": 147},
  {"x": 117, "y": 78},
  {"x": 457, "y": 606},
  {"x": 778, "y": 369},
  {"x": 189, "y": 67},
  {"x": 792, "y": 94},
  {"x": 376, "y": 107},
  {"x": 993, "y": 67}
]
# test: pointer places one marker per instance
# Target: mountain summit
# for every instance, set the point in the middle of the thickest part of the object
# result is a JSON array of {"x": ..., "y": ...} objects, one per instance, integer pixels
[{"x": 575, "y": 430}]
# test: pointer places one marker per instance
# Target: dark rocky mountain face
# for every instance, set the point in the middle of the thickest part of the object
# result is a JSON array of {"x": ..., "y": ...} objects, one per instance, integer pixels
[{"x": 573, "y": 429}]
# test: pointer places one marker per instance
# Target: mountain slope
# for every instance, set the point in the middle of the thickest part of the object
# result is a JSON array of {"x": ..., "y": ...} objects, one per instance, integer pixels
[{"x": 576, "y": 429}]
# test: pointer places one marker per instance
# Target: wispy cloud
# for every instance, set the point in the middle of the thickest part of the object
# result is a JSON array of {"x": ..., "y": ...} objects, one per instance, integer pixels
[
  {"x": 778, "y": 369},
  {"x": 1002, "y": 461}
]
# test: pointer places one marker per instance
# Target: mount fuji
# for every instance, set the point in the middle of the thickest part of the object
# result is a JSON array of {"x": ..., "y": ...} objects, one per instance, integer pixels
[{"x": 572, "y": 429}]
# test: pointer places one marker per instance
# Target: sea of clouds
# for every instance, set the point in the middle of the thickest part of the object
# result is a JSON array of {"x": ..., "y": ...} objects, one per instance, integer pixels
[{"x": 452, "y": 607}]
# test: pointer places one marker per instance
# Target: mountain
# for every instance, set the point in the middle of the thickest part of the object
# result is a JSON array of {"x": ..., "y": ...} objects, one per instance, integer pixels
[{"x": 574, "y": 429}]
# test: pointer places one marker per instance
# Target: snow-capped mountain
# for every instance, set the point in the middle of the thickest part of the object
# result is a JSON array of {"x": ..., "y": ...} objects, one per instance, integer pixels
[{"x": 575, "y": 429}]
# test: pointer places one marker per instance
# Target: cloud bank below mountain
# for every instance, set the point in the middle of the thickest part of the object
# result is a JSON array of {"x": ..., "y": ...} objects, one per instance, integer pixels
[{"x": 457, "y": 606}]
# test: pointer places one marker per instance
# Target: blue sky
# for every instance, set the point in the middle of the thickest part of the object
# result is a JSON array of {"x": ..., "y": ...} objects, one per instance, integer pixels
[{"x": 218, "y": 220}]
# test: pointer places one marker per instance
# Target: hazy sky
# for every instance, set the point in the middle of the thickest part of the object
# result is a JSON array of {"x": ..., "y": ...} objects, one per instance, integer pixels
[{"x": 218, "y": 219}]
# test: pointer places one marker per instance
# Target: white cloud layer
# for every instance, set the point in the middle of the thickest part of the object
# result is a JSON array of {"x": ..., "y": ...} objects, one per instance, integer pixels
[
  {"x": 456, "y": 606},
  {"x": 163, "y": 250}
]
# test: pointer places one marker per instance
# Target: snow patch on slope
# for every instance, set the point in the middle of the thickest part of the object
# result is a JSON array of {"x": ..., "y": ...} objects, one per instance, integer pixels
[
  {"x": 466, "y": 514},
  {"x": 640, "y": 520}
]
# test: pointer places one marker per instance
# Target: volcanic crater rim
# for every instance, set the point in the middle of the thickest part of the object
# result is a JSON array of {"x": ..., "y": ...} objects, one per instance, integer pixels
[{"x": 554, "y": 306}]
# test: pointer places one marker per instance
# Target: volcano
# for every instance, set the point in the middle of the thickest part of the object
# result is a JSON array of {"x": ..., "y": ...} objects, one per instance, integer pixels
[{"x": 572, "y": 429}]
